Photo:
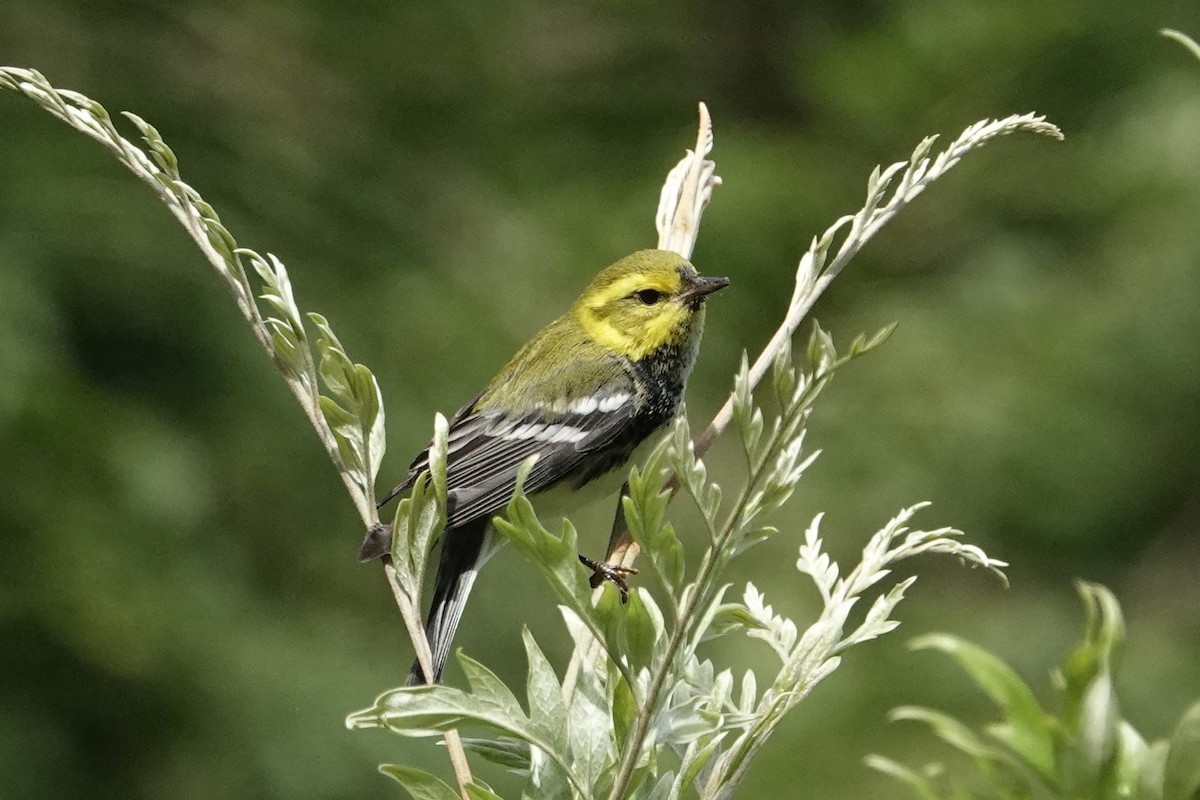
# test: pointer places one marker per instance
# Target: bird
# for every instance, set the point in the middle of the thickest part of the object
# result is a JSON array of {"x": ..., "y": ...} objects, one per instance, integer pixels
[{"x": 586, "y": 395}]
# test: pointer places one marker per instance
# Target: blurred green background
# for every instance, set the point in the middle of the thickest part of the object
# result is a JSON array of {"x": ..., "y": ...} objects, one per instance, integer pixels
[{"x": 181, "y": 613}]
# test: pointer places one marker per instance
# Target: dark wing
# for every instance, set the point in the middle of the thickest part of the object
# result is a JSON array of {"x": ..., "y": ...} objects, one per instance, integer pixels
[
  {"x": 457, "y": 430},
  {"x": 486, "y": 448},
  {"x": 481, "y": 483}
]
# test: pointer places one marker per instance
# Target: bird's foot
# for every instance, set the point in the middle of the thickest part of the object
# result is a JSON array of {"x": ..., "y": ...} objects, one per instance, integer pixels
[{"x": 613, "y": 573}]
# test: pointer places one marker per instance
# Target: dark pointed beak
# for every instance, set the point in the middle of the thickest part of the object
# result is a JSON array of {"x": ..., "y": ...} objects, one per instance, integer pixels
[{"x": 700, "y": 288}]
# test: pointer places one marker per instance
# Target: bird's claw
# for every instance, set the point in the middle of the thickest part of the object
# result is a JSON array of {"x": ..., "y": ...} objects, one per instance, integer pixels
[{"x": 613, "y": 573}]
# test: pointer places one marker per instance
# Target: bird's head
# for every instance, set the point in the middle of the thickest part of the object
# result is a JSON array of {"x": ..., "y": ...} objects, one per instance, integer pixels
[{"x": 648, "y": 300}]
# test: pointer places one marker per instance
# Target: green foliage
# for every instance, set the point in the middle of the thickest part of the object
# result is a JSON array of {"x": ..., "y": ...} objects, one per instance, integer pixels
[
  {"x": 419, "y": 519},
  {"x": 648, "y": 716},
  {"x": 1085, "y": 750}
]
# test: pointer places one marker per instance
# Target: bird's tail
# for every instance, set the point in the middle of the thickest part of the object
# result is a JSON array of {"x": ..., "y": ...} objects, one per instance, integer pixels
[{"x": 464, "y": 551}]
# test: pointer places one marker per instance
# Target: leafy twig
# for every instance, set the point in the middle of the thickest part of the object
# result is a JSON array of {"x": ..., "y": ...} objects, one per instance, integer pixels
[{"x": 348, "y": 416}]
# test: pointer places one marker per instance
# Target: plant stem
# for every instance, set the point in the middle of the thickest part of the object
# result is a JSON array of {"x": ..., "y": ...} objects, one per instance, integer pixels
[
  {"x": 416, "y": 633},
  {"x": 184, "y": 203},
  {"x": 682, "y": 631}
]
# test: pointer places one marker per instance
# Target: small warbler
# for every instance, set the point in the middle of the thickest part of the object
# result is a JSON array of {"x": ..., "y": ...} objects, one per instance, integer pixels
[{"x": 583, "y": 394}]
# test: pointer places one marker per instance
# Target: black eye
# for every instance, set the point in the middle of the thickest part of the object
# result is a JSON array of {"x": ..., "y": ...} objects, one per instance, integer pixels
[{"x": 649, "y": 296}]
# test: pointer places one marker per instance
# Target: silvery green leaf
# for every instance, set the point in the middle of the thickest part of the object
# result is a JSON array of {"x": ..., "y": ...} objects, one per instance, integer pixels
[
  {"x": 698, "y": 756},
  {"x": 415, "y": 526},
  {"x": 746, "y": 414},
  {"x": 277, "y": 290},
  {"x": 752, "y": 536},
  {"x": 346, "y": 434},
  {"x": 438, "y": 447},
  {"x": 822, "y": 354},
  {"x": 547, "y": 710},
  {"x": 721, "y": 692},
  {"x": 489, "y": 705},
  {"x": 624, "y": 709},
  {"x": 353, "y": 408},
  {"x": 877, "y": 621},
  {"x": 731, "y": 617},
  {"x": 488, "y": 690},
  {"x": 1181, "y": 772},
  {"x": 609, "y": 613},
  {"x": 689, "y": 470},
  {"x": 376, "y": 436},
  {"x": 708, "y": 613},
  {"x": 1103, "y": 636},
  {"x": 645, "y": 509},
  {"x": 682, "y": 724},
  {"x": 335, "y": 366},
  {"x": 988, "y": 758},
  {"x": 641, "y": 635},
  {"x": 711, "y": 501},
  {"x": 696, "y": 673},
  {"x": 287, "y": 349},
  {"x": 423, "y": 710},
  {"x": 159, "y": 151},
  {"x": 581, "y": 634},
  {"x": 419, "y": 784},
  {"x": 816, "y": 563},
  {"x": 510, "y": 753},
  {"x": 749, "y": 696},
  {"x": 662, "y": 789},
  {"x": 784, "y": 375},
  {"x": 658, "y": 623},
  {"x": 477, "y": 791},
  {"x": 862, "y": 345},
  {"x": 591, "y": 734},
  {"x": 780, "y": 633},
  {"x": 546, "y": 781},
  {"x": 786, "y": 472}
]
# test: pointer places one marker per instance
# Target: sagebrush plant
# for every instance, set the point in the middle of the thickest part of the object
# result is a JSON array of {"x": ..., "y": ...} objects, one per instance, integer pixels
[
  {"x": 637, "y": 712},
  {"x": 1084, "y": 750}
]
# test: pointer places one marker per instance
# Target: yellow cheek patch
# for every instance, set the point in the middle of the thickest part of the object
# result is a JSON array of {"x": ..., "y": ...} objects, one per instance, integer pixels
[
  {"x": 605, "y": 334},
  {"x": 651, "y": 333},
  {"x": 663, "y": 328}
]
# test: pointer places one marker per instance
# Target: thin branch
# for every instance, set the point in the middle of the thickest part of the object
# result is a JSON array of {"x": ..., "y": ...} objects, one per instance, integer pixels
[
  {"x": 813, "y": 275},
  {"x": 159, "y": 170},
  {"x": 885, "y": 197}
]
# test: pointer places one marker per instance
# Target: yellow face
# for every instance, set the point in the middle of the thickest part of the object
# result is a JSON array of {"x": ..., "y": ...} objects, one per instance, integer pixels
[{"x": 643, "y": 302}]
